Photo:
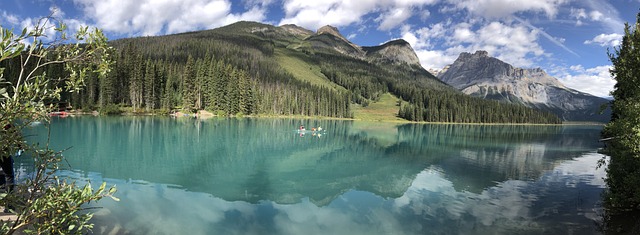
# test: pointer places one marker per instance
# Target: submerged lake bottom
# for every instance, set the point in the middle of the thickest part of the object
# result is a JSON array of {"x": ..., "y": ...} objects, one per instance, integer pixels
[{"x": 263, "y": 176}]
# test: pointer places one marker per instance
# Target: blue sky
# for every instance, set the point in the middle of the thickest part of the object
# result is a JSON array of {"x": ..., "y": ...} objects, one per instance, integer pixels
[{"x": 567, "y": 38}]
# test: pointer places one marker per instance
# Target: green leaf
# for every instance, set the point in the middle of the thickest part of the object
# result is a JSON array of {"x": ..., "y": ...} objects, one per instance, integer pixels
[{"x": 115, "y": 198}]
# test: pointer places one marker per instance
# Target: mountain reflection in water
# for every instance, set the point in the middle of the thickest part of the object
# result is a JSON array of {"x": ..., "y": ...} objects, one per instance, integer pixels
[{"x": 257, "y": 176}]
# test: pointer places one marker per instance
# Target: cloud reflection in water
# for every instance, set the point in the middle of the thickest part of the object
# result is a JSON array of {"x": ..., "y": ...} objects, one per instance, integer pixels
[{"x": 430, "y": 205}]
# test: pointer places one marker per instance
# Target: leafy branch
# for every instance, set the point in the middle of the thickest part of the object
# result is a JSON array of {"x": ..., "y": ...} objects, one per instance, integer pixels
[{"x": 43, "y": 202}]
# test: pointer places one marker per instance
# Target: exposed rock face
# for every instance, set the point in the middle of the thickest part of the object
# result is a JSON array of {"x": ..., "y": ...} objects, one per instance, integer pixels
[
  {"x": 296, "y": 30},
  {"x": 394, "y": 52},
  {"x": 397, "y": 52},
  {"x": 328, "y": 37},
  {"x": 483, "y": 76},
  {"x": 328, "y": 29}
]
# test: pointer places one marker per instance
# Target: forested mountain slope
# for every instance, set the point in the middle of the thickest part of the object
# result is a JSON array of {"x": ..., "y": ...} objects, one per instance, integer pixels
[{"x": 252, "y": 68}]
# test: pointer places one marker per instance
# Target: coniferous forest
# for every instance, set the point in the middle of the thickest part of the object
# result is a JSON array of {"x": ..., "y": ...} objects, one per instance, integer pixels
[{"x": 233, "y": 71}]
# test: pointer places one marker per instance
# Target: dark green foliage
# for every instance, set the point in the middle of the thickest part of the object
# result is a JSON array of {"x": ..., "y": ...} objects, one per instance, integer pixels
[
  {"x": 188, "y": 86},
  {"x": 429, "y": 99},
  {"x": 232, "y": 70},
  {"x": 110, "y": 109},
  {"x": 223, "y": 70},
  {"x": 622, "y": 133}
]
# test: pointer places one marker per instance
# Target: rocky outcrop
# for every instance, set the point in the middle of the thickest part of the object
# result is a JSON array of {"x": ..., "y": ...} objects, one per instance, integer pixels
[
  {"x": 296, "y": 30},
  {"x": 394, "y": 52},
  {"x": 328, "y": 38},
  {"x": 483, "y": 76},
  {"x": 328, "y": 29}
]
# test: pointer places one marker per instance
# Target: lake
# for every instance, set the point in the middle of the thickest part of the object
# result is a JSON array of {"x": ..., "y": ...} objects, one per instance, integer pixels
[{"x": 261, "y": 176}]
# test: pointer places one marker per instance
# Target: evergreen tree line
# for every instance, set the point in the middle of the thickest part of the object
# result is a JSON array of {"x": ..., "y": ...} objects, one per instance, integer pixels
[
  {"x": 215, "y": 81},
  {"x": 433, "y": 106},
  {"x": 229, "y": 72},
  {"x": 426, "y": 98}
]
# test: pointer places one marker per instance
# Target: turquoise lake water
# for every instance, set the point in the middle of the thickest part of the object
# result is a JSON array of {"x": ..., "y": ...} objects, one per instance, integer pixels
[{"x": 261, "y": 176}]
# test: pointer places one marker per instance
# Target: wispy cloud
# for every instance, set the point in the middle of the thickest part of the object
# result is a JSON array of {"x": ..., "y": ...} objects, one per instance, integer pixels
[
  {"x": 605, "y": 13},
  {"x": 546, "y": 35},
  {"x": 9, "y": 18},
  {"x": 505, "y": 8}
]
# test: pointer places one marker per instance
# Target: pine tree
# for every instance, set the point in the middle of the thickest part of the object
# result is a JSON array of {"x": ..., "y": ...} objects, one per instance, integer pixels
[
  {"x": 107, "y": 88},
  {"x": 150, "y": 83},
  {"x": 136, "y": 84},
  {"x": 188, "y": 85}
]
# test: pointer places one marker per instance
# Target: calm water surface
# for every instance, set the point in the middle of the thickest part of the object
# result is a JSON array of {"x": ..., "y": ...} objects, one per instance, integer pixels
[{"x": 260, "y": 176}]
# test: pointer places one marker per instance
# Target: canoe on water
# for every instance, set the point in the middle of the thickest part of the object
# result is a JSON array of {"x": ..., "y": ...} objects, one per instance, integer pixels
[{"x": 310, "y": 131}]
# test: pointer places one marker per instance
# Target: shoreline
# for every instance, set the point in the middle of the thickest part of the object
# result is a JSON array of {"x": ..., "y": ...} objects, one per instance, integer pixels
[{"x": 202, "y": 114}]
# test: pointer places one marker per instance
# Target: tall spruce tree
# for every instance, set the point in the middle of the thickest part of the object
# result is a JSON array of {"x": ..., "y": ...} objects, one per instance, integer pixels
[
  {"x": 188, "y": 85},
  {"x": 150, "y": 83}
]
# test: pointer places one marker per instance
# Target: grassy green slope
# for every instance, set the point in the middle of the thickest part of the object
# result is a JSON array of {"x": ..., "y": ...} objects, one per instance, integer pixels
[
  {"x": 383, "y": 110},
  {"x": 293, "y": 63}
]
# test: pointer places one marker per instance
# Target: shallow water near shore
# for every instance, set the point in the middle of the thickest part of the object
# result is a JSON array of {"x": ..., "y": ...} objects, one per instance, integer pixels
[{"x": 261, "y": 176}]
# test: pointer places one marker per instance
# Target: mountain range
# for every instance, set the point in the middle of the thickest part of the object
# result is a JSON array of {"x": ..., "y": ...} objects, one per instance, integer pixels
[
  {"x": 479, "y": 75},
  {"x": 483, "y": 76},
  {"x": 250, "y": 68}
]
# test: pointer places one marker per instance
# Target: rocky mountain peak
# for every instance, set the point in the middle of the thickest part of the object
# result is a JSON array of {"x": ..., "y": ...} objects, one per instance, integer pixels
[
  {"x": 476, "y": 55},
  {"x": 330, "y": 30},
  {"x": 396, "y": 51},
  {"x": 335, "y": 41},
  {"x": 482, "y": 68},
  {"x": 296, "y": 30}
]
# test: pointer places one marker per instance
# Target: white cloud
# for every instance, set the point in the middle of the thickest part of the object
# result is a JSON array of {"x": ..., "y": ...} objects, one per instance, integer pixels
[
  {"x": 315, "y": 14},
  {"x": 462, "y": 33},
  {"x": 606, "y": 40},
  {"x": 393, "y": 18},
  {"x": 48, "y": 28},
  {"x": 596, "y": 16},
  {"x": 149, "y": 17},
  {"x": 577, "y": 67},
  {"x": 48, "y": 25},
  {"x": 605, "y": 13},
  {"x": 252, "y": 3},
  {"x": 578, "y": 14},
  {"x": 440, "y": 44},
  {"x": 9, "y": 18},
  {"x": 596, "y": 81},
  {"x": 504, "y": 8},
  {"x": 424, "y": 14},
  {"x": 433, "y": 59}
]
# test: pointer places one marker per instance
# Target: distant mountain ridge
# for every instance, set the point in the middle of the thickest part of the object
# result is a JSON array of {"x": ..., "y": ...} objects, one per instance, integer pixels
[
  {"x": 251, "y": 68},
  {"x": 328, "y": 38},
  {"x": 481, "y": 75}
]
